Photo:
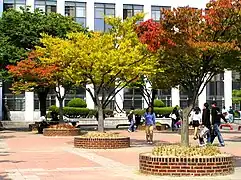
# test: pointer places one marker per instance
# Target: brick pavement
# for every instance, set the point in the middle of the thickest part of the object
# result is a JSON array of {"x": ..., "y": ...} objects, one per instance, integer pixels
[{"x": 29, "y": 156}]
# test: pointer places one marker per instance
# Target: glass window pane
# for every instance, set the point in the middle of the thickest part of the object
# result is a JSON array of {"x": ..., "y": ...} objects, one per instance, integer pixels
[
  {"x": 40, "y": 7},
  {"x": 7, "y": 6},
  {"x": 110, "y": 12},
  {"x": 112, "y": 6},
  {"x": 99, "y": 12},
  {"x": 138, "y": 7},
  {"x": 81, "y": 4},
  {"x": 54, "y": 3},
  {"x": 126, "y": 6},
  {"x": 8, "y": 1},
  {"x": 51, "y": 9},
  {"x": 81, "y": 21},
  {"x": 80, "y": 12},
  {"x": 69, "y": 3},
  {"x": 137, "y": 11},
  {"x": 99, "y": 5},
  {"x": 107, "y": 27},
  {"x": 17, "y": 7},
  {"x": 128, "y": 91},
  {"x": 99, "y": 25},
  {"x": 40, "y": 2},
  {"x": 20, "y": 2},
  {"x": 70, "y": 11}
]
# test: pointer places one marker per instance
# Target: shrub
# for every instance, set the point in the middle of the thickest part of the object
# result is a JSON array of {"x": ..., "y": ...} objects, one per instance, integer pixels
[
  {"x": 101, "y": 135},
  {"x": 180, "y": 151},
  {"x": 77, "y": 102},
  {"x": 163, "y": 110},
  {"x": 159, "y": 103}
]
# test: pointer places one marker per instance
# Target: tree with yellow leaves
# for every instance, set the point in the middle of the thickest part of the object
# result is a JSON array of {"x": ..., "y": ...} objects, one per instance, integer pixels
[{"x": 108, "y": 61}]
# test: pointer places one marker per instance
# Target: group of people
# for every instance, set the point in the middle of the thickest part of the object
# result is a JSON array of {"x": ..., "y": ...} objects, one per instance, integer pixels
[{"x": 209, "y": 119}]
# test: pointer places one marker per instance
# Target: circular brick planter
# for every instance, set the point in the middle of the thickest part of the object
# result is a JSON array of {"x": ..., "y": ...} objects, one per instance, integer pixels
[
  {"x": 102, "y": 143},
  {"x": 186, "y": 166},
  {"x": 61, "y": 132}
]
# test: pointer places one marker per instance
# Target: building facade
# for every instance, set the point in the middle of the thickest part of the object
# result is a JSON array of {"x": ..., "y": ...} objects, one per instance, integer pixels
[{"x": 25, "y": 107}]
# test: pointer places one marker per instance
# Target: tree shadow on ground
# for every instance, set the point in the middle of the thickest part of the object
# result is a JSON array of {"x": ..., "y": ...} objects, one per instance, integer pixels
[
  {"x": 4, "y": 176},
  {"x": 6, "y": 137}
]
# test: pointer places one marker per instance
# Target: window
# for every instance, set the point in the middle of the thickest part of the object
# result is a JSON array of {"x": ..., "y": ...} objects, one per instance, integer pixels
[
  {"x": 156, "y": 13},
  {"x": 14, "y": 4},
  {"x": 46, "y": 5},
  {"x": 50, "y": 101},
  {"x": 102, "y": 10},
  {"x": 130, "y": 10},
  {"x": 165, "y": 95},
  {"x": 75, "y": 93},
  {"x": 13, "y": 101},
  {"x": 76, "y": 10},
  {"x": 132, "y": 98}
]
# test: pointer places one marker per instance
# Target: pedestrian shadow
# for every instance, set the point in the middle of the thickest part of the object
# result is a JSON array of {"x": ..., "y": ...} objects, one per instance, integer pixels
[
  {"x": 143, "y": 143},
  {"x": 4, "y": 176},
  {"x": 234, "y": 139},
  {"x": 6, "y": 137}
]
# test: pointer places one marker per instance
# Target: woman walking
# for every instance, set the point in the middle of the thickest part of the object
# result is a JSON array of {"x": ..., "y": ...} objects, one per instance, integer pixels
[
  {"x": 150, "y": 122},
  {"x": 207, "y": 125},
  {"x": 196, "y": 118}
]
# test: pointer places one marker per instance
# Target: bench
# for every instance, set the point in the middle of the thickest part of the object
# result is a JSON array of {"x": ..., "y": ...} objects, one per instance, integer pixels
[
  {"x": 122, "y": 125},
  {"x": 226, "y": 125}
]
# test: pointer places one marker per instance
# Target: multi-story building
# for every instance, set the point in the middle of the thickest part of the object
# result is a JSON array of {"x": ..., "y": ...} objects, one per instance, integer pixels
[{"x": 25, "y": 107}]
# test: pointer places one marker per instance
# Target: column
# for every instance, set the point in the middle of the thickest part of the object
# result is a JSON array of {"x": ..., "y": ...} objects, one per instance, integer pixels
[
  {"x": 202, "y": 98},
  {"x": 228, "y": 88},
  {"x": 147, "y": 11},
  {"x": 90, "y": 14},
  {"x": 61, "y": 93},
  {"x": 30, "y": 3},
  {"x": 89, "y": 101},
  {"x": 119, "y": 9},
  {"x": 175, "y": 97},
  {"x": 61, "y": 7},
  {"x": 119, "y": 99},
  {"x": 1, "y": 7},
  {"x": 148, "y": 88},
  {"x": 29, "y": 106}
]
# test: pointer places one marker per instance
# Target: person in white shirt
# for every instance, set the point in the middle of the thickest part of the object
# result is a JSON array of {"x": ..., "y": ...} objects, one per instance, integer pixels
[{"x": 196, "y": 118}]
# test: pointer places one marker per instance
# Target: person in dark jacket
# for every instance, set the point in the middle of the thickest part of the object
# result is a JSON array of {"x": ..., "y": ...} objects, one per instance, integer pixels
[
  {"x": 216, "y": 121},
  {"x": 175, "y": 116},
  {"x": 206, "y": 123}
]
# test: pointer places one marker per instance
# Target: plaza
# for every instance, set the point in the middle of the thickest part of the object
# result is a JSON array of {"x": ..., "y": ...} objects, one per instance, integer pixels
[{"x": 31, "y": 156}]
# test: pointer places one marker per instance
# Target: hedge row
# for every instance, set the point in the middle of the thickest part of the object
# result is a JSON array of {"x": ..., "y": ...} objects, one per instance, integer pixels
[
  {"x": 75, "y": 112},
  {"x": 157, "y": 110}
]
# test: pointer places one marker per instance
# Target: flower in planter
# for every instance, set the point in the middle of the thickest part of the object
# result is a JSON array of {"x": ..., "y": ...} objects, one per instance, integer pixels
[
  {"x": 101, "y": 135},
  {"x": 179, "y": 151},
  {"x": 62, "y": 126}
]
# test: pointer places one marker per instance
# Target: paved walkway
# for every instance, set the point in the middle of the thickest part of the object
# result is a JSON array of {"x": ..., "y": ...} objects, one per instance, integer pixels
[{"x": 30, "y": 156}]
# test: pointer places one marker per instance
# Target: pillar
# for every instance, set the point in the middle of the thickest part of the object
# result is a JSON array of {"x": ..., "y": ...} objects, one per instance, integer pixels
[
  {"x": 30, "y": 3},
  {"x": 202, "y": 98},
  {"x": 61, "y": 7},
  {"x": 119, "y": 99},
  {"x": 29, "y": 106},
  {"x": 147, "y": 11},
  {"x": 228, "y": 88},
  {"x": 61, "y": 93},
  {"x": 1, "y": 7},
  {"x": 148, "y": 88},
  {"x": 119, "y": 9},
  {"x": 175, "y": 97},
  {"x": 90, "y": 14},
  {"x": 89, "y": 101}
]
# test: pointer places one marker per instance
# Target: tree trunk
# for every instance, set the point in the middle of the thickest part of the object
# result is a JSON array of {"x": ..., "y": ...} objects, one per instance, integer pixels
[
  {"x": 185, "y": 122},
  {"x": 61, "y": 110},
  {"x": 100, "y": 118},
  {"x": 42, "y": 96},
  {"x": 153, "y": 96}
]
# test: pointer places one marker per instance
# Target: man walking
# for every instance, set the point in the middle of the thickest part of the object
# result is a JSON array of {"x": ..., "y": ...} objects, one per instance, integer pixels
[{"x": 216, "y": 121}]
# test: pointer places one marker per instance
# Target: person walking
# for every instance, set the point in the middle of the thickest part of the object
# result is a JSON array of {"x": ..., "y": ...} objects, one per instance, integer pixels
[
  {"x": 196, "y": 118},
  {"x": 150, "y": 122},
  {"x": 175, "y": 116},
  {"x": 207, "y": 125},
  {"x": 216, "y": 121},
  {"x": 131, "y": 118},
  {"x": 231, "y": 114}
]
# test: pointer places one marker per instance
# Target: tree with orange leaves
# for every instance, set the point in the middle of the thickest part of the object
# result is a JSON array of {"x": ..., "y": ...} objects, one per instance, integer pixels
[
  {"x": 203, "y": 45},
  {"x": 32, "y": 75}
]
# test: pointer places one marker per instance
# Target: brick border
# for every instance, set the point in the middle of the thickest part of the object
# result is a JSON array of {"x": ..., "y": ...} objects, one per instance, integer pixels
[
  {"x": 186, "y": 166},
  {"x": 101, "y": 143},
  {"x": 61, "y": 132}
]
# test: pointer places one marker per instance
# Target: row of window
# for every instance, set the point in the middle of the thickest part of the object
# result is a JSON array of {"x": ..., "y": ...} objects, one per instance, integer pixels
[{"x": 77, "y": 10}]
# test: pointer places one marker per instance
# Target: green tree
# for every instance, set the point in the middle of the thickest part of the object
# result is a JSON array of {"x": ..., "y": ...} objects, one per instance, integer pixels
[
  {"x": 22, "y": 32},
  {"x": 108, "y": 61}
]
